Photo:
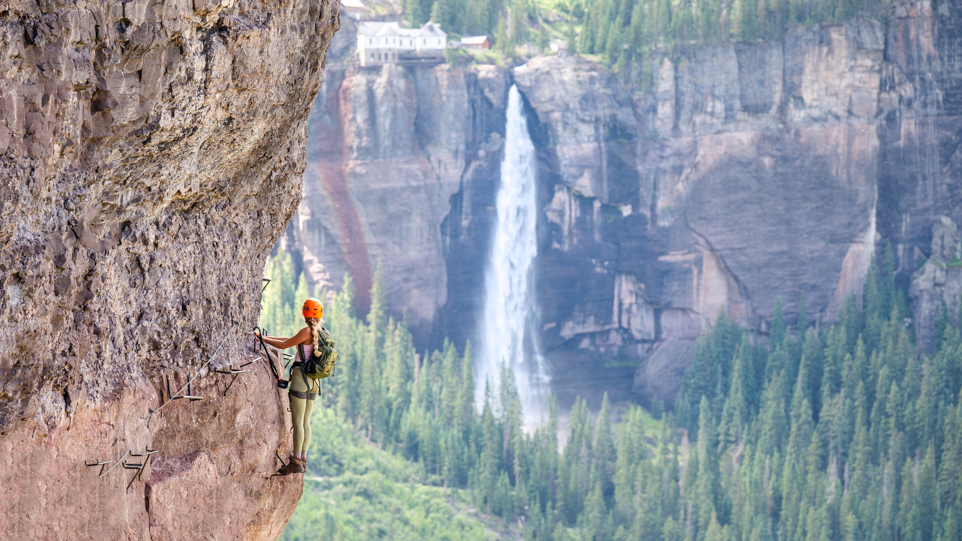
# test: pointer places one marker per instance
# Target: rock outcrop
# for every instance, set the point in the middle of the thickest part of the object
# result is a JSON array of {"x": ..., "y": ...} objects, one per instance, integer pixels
[
  {"x": 150, "y": 156},
  {"x": 744, "y": 173},
  {"x": 936, "y": 287}
]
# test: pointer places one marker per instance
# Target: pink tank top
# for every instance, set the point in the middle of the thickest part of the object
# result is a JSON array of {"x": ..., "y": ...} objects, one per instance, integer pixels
[{"x": 307, "y": 349}]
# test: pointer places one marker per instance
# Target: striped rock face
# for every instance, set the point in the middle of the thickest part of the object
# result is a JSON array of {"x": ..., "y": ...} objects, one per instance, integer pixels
[{"x": 151, "y": 155}]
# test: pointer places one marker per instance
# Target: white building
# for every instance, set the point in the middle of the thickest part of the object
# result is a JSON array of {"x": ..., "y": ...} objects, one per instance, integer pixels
[{"x": 379, "y": 43}]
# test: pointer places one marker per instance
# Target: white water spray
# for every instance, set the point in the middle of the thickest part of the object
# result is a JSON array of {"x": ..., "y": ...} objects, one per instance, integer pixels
[{"x": 508, "y": 326}]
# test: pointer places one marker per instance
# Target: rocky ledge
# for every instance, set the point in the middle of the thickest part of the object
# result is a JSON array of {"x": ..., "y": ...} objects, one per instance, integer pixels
[{"x": 151, "y": 154}]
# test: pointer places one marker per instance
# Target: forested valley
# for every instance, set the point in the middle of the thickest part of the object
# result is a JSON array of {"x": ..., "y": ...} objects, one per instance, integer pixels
[{"x": 816, "y": 431}]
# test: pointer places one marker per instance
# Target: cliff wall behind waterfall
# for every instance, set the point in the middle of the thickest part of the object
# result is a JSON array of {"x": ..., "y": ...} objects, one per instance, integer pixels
[
  {"x": 150, "y": 156},
  {"x": 746, "y": 173}
]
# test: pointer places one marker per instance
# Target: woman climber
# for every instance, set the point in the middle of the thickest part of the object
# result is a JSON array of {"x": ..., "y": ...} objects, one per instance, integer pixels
[{"x": 303, "y": 389}]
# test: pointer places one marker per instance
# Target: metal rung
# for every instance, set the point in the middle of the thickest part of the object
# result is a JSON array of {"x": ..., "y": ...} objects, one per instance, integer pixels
[
  {"x": 148, "y": 452},
  {"x": 247, "y": 363},
  {"x": 102, "y": 464},
  {"x": 132, "y": 466},
  {"x": 231, "y": 371},
  {"x": 190, "y": 395}
]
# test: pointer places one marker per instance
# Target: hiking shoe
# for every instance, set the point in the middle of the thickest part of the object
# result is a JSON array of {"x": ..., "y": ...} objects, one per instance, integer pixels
[{"x": 296, "y": 465}]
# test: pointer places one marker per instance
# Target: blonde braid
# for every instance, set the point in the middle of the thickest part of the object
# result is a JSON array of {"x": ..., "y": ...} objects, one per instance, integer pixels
[{"x": 315, "y": 325}]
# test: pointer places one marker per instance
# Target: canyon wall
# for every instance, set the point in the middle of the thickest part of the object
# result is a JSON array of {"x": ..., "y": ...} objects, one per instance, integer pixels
[
  {"x": 151, "y": 154},
  {"x": 402, "y": 168},
  {"x": 743, "y": 174}
]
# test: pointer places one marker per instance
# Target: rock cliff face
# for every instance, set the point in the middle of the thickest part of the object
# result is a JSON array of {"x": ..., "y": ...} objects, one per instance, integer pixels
[
  {"x": 150, "y": 156},
  {"x": 747, "y": 172},
  {"x": 401, "y": 171},
  {"x": 936, "y": 287}
]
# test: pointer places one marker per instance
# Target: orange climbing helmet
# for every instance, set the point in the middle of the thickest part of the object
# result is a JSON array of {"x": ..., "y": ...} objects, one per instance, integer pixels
[{"x": 313, "y": 309}]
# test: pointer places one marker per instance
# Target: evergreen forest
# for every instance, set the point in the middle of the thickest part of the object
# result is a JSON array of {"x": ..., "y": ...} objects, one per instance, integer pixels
[
  {"x": 630, "y": 34},
  {"x": 815, "y": 432}
]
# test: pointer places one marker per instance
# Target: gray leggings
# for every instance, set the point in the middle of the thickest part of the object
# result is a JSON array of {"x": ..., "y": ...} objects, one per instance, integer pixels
[{"x": 301, "y": 409}]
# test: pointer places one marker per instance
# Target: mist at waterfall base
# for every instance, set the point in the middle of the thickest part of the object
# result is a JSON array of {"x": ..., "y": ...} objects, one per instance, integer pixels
[{"x": 508, "y": 325}]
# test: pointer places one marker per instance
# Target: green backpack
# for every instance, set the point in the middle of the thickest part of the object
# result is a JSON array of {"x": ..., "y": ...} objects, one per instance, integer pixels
[{"x": 321, "y": 362}]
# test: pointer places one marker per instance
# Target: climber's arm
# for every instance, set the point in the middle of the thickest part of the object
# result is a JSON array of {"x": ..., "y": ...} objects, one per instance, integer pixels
[{"x": 284, "y": 343}]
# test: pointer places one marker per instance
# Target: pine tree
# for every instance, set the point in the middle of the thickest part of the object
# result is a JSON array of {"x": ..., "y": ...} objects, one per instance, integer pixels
[
  {"x": 774, "y": 423},
  {"x": 604, "y": 448},
  {"x": 501, "y": 40},
  {"x": 778, "y": 332},
  {"x": 490, "y": 454},
  {"x": 705, "y": 482},
  {"x": 412, "y": 13},
  {"x": 950, "y": 466},
  {"x": 887, "y": 281},
  {"x": 572, "y": 44},
  {"x": 630, "y": 454},
  {"x": 908, "y": 516},
  {"x": 543, "y": 39},
  {"x": 596, "y": 519},
  {"x": 575, "y": 466},
  {"x": 519, "y": 27},
  {"x": 926, "y": 502},
  {"x": 748, "y": 24},
  {"x": 465, "y": 398}
]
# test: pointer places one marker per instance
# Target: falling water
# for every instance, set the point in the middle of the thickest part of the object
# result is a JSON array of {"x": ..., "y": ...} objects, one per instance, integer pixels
[{"x": 508, "y": 332}]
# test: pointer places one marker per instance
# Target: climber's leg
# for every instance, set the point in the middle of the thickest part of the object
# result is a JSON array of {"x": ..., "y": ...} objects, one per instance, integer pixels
[
  {"x": 298, "y": 407},
  {"x": 306, "y": 428}
]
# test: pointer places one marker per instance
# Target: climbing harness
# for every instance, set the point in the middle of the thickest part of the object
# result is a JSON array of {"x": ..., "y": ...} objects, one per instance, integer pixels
[{"x": 303, "y": 395}]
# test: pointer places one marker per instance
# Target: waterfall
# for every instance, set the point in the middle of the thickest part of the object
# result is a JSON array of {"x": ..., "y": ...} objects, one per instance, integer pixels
[{"x": 508, "y": 325}]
